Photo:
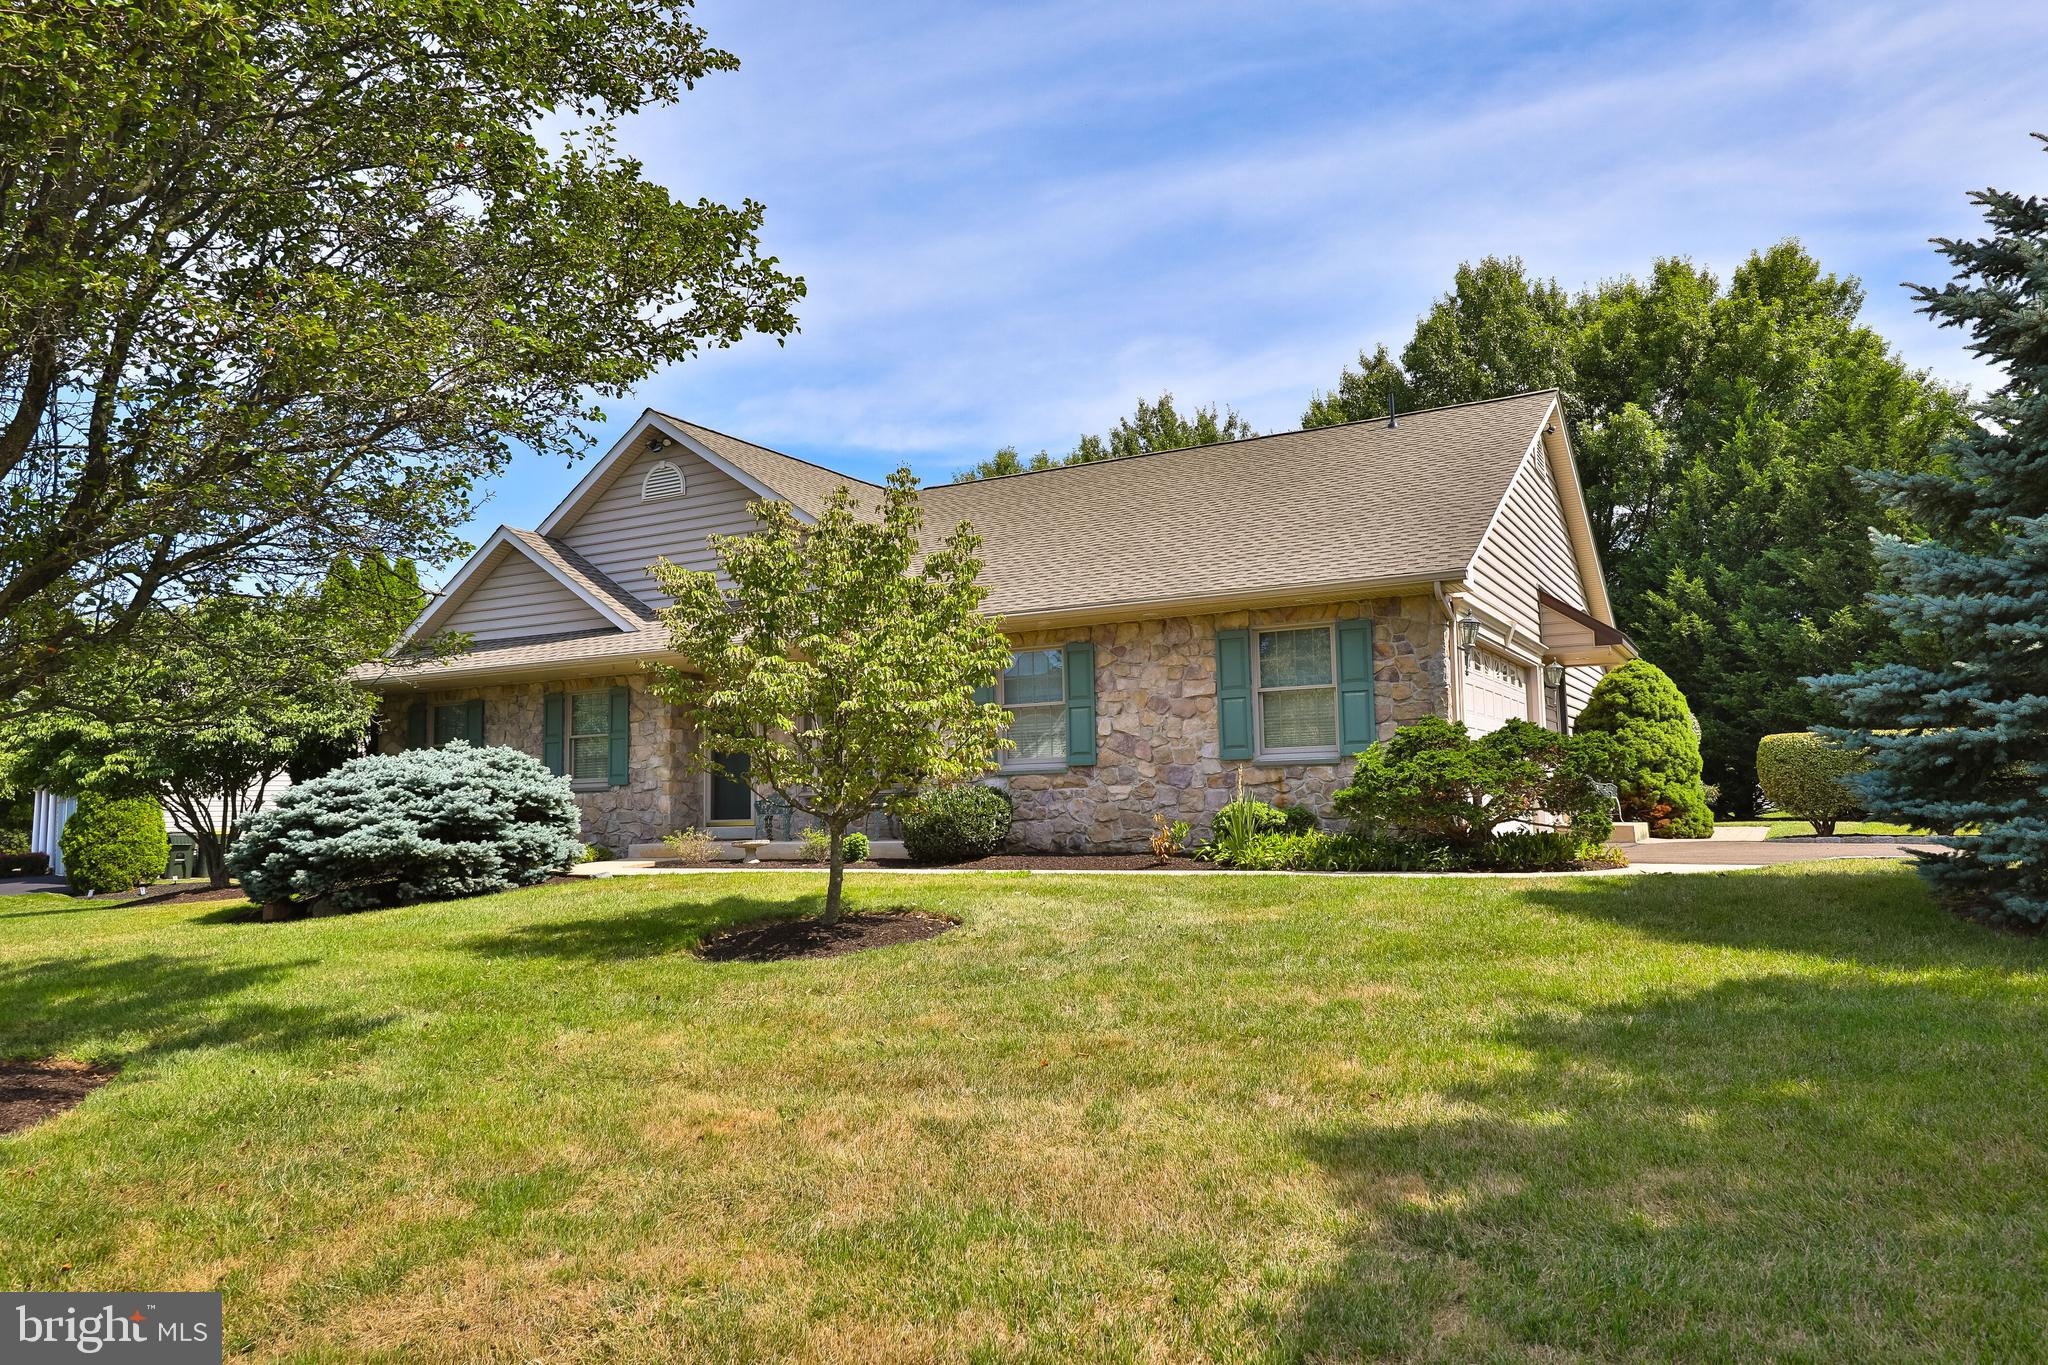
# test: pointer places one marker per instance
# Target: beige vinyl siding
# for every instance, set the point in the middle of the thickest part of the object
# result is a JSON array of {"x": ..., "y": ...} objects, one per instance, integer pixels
[
  {"x": 621, "y": 535},
  {"x": 1528, "y": 548},
  {"x": 519, "y": 597}
]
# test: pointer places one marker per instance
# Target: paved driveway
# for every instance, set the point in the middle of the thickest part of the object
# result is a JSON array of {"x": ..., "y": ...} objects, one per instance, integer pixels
[
  {"x": 1716, "y": 853},
  {"x": 21, "y": 886}
]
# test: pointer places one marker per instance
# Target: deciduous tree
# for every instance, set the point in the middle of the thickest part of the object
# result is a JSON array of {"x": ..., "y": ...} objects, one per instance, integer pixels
[
  {"x": 1155, "y": 426},
  {"x": 837, "y": 658},
  {"x": 281, "y": 281}
]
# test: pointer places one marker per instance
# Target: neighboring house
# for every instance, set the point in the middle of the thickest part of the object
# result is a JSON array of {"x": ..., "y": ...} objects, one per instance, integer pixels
[
  {"x": 1269, "y": 606},
  {"x": 48, "y": 813}
]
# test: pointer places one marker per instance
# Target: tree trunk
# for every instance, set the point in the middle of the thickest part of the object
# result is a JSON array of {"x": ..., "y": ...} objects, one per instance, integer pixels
[
  {"x": 212, "y": 848},
  {"x": 836, "y": 832}
]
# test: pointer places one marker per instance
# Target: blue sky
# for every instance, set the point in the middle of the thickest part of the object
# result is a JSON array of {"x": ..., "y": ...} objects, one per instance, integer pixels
[{"x": 1015, "y": 219}]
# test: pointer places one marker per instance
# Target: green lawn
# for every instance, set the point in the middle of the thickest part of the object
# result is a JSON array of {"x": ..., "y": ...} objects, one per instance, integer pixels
[
  {"x": 1785, "y": 827},
  {"x": 1792, "y": 1114}
]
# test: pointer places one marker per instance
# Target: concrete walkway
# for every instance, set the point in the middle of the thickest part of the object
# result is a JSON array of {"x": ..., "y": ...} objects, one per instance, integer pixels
[{"x": 1654, "y": 856}]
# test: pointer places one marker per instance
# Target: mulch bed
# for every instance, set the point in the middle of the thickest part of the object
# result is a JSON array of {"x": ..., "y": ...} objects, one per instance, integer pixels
[
  {"x": 795, "y": 938},
  {"x": 33, "y": 1091}
]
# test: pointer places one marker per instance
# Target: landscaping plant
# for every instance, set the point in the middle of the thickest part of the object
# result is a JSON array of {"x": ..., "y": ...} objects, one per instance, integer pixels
[
  {"x": 818, "y": 846},
  {"x": 1960, "y": 740},
  {"x": 1433, "y": 782},
  {"x": 1169, "y": 837},
  {"x": 955, "y": 824},
  {"x": 1655, "y": 749},
  {"x": 1808, "y": 775},
  {"x": 428, "y": 824},
  {"x": 692, "y": 846},
  {"x": 114, "y": 843},
  {"x": 841, "y": 658}
]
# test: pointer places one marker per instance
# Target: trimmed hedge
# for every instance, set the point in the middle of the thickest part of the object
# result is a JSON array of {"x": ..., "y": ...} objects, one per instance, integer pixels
[
  {"x": 1654, "y": 749},
  {"x": 430, "y": 824},
  {"x": 114, "y": 843},
  {"x": 956, "y": 824},
  {"x": 1806, "y": 775},
  {"x": 1315, "y": 851}
]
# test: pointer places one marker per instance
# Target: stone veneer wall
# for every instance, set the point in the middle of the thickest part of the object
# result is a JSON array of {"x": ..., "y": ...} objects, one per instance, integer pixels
[
  {"x": 662, "y": 794},
  {"x": 1156, "y": 730}
]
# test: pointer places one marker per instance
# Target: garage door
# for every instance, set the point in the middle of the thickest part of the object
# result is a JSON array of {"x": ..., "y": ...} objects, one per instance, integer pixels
[{"x": 1496, "y": 691}]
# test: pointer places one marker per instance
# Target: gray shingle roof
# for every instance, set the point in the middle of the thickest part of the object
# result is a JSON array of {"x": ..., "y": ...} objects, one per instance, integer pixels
[
  {"x": 1301, "y": 511},
  {"x": 1336, "y": 505}
]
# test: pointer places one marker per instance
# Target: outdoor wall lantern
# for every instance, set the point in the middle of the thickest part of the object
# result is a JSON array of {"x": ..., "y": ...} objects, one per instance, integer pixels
[
  {"x": 1553, "y": 673},
  {"x": 1468, "y": 634}
]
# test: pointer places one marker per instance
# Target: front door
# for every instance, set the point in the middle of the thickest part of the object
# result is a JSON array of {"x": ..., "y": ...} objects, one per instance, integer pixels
[{"x": 731, "y": 801}]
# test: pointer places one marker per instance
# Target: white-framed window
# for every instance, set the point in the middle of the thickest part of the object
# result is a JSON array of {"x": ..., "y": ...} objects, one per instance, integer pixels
[
  {"x": 1295, "y": 677},
  {"x": 590, "y": 739},
  {"x": 664, "y": 480},
  {"x": 1034, "y": 692}
]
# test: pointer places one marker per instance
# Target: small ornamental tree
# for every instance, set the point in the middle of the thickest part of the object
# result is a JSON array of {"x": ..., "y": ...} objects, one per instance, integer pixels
[
  {"x": 1808, "y": 775},
  {"x": 1963, "y": 743},
  {"x": 114, "y": 843},
  {"x": 202, "y": 709},
  {"x": 1655, "y": 749},
  {"x": 1433, "y": 781},
  {"x": 838, "y": 659}
]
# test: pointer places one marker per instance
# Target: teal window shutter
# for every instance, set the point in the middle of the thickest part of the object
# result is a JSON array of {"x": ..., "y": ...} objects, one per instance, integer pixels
[
  {"x": 551, "y": 708},
  {"x": 621, "y": 736},
  {"x": 1234, "y": 694},
  {"x": 416, "y": 725},
  {"x": 473, "y": 720},
  {"x": 1078, "y": 664},
  {"x": 1355, "y": 724}
]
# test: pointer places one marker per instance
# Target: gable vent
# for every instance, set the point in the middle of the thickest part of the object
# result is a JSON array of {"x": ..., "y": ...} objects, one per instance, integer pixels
[{"x": 663, "y": 481}]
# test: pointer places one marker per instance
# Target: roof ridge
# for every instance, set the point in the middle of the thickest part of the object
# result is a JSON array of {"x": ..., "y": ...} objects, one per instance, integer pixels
[
  {"x": 768, "y": 450},
  {"x": 1243, "y": 440}
]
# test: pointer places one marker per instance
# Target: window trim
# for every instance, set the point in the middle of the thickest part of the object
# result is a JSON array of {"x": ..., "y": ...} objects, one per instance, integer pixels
[
  {"x": 1318, "y": 754},
  {"x": 570, "y": 735},
  {"x": 730, "y": 829},
  {"x": 1010, "y": 762}
]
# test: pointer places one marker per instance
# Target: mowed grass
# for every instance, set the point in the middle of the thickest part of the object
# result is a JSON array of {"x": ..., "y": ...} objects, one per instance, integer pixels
[
  {"x": 1786, "y": 827},
  {"x": 1792, "y": 1114}
]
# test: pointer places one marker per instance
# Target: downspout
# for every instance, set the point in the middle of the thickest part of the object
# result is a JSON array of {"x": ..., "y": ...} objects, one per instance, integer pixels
[{"x": 1454, "y": 673}]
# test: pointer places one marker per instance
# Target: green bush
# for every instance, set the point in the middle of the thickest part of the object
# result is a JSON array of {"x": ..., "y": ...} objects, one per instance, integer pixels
[
  {"x": 114, "y": 843},
  {"x": 1652, "y": 749},
  {"x": 13, "y": 842},
  {"x": 1805, "y": 774},
  {"x": 1435, "y": 783},
  {"x": 853, "y": 846},
  {"x": 429, "y": 824},
  {"x": 597, "y": 853},
  {"x": 956, "y": 824},
  {"x": 1315, "y": 851}
]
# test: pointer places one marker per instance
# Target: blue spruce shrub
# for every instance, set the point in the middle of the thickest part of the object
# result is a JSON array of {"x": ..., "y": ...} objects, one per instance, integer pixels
[{"x": 430, "y": 824}]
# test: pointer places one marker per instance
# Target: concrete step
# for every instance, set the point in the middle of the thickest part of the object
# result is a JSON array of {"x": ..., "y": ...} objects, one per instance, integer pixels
[{"x": 1630, "y": 832}]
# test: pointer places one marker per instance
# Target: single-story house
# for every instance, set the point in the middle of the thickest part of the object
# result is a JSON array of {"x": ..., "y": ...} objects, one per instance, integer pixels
[{"x": 1269, "y": 606}]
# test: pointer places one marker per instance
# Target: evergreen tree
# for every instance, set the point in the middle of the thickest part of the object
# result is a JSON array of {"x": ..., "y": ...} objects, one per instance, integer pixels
[{"x": 1963, "y": 744}]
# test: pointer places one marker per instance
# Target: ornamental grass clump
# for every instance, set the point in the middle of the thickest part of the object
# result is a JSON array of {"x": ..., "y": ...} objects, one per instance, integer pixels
[{"x": 431, "y": 824}]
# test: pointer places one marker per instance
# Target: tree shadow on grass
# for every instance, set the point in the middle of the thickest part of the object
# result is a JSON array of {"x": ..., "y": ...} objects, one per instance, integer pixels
[
  {"x": 1880, "y": 915},
  {"x": 649, "y": 931},
  {"x": 56, "y": 1006},
  {"x": 1782, "y": 1167}
]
